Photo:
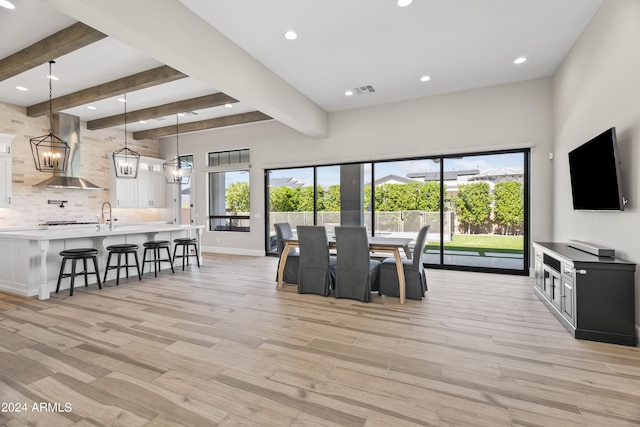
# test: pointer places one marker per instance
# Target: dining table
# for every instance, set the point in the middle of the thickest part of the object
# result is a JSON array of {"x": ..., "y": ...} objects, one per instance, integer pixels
[{"x": 377, "y": 244}]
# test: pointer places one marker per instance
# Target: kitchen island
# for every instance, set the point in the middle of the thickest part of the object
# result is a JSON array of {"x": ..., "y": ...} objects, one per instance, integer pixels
[{"x": 29, "y": 260}]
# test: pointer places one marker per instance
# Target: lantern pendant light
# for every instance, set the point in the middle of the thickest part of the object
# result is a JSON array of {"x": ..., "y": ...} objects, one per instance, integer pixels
[
  {"x": 50, "y": 153},
  {"x": 178, "y": 170},
  {"x": 125, "y": 160}
]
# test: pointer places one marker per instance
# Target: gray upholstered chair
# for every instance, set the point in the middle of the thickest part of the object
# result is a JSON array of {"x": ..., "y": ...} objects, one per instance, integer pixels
[
  {"x": 414, "y": 275},
  {"x": 283, "y": 231},
  {"x": 356, "y": 272},
  {"x": 316, "y": 270}
]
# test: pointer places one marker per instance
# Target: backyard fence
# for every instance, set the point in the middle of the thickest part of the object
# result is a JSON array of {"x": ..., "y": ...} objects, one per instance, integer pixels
[{"x": 396, "y": 223}]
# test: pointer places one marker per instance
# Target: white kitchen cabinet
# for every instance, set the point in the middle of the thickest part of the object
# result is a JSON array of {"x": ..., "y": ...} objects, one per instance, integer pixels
[
  {"x": 5, "y": 170},
  {"x": 146, "y": 191},
  {"x": 151, "y": 184},
  {"x": 122, "y": 191}
]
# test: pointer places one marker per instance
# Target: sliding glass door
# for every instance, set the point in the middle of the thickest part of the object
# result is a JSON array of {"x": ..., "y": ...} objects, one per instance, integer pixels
[
  {"x": 475, "y": 205},
  {"x": 485, "y": 199},
  {"x": 290, "y": 198}
]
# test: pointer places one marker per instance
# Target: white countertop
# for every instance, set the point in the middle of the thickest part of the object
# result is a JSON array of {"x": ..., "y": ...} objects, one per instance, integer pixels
[{"x": 65, "y": 232}]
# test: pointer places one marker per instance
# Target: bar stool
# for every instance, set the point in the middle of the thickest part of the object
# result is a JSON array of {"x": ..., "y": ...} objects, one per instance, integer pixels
[
  {"x": 154, "y": 246},
  {"x": 74, "y": 255},
  {"x": 122, "y": 249},
  {"x": 185, "y": 243}
]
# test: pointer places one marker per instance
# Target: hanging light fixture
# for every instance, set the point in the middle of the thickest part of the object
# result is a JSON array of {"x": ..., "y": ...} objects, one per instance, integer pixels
[
  {"x": 178, "y": 170},
  {"x": 125, "y": 160},
  {"x": 50, "y": 153}
]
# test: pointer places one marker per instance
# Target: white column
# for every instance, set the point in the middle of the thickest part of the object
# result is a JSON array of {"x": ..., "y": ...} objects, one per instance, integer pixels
[
  {"x": 199, "y": 237},
  {"x": 44, "y": 289}
]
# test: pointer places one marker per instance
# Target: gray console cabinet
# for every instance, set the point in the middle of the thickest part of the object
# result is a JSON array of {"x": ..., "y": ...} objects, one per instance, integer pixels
[{"x": 593, "y": 297}]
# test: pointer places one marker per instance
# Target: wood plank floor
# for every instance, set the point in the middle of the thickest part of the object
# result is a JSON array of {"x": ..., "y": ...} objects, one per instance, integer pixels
[{"x": 222, "y": 346}]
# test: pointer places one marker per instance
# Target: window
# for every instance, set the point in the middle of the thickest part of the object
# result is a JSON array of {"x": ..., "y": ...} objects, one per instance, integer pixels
[
  {"x": 185, "y": 202},
  {"x": 229, "y": 201},
  {"x": 475, "y": 204},
  {"x": 232, "y": 157},
  {"x": 229, "y": 191}
]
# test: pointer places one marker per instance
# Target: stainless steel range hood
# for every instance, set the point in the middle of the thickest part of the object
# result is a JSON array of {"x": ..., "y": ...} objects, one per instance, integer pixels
[
  {"x": 67, "y": 127},
  {"x": 68, "y": 182}
]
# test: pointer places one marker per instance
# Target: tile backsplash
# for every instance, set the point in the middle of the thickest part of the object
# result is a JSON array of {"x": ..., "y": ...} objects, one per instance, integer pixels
[{"x": 30, "y": 205}]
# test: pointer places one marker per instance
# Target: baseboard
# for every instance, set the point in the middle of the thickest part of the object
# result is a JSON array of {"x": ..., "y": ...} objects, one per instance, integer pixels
[
  {"x": 233, "y": 251},
  {"x": 22, "y": 289}
]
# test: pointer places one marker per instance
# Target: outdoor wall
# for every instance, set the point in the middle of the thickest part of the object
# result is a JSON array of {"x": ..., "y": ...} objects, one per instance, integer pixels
[
  {"x": 508, "y": 116},
  {"x": 596, "y": 88}
]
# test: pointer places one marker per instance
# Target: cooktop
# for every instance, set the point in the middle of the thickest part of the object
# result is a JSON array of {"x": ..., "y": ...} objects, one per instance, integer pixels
[{"x": 67, "y": 223}]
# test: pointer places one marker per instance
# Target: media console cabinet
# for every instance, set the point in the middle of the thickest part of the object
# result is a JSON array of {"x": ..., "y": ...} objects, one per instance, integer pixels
[{"x": 592, "y": 296}]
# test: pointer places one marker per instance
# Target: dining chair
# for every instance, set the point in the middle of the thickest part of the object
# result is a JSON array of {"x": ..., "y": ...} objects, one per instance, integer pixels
[
  {"x": 283, "y": 231},
  {"x": 356, "y": 272},
  {"x": 414, "y": 275},
  {"x": 316, "y": 271}
]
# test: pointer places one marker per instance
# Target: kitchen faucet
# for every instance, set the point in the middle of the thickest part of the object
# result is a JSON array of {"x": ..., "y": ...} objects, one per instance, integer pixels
[{"x": 110, "y": 215}]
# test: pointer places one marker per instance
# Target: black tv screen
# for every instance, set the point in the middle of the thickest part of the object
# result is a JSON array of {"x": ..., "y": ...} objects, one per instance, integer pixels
[{"x": 595, "y": 174}]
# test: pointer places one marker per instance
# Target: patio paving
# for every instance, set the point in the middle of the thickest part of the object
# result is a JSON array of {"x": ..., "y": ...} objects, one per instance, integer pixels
[{"x": 474, "y": 259}]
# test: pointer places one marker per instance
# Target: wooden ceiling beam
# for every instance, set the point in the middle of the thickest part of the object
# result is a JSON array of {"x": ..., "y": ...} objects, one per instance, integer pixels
[
  {"x": 207, "y": 101},
  {"x": 142, "y": 80},
  {"x": 56, "y": 45},
  {"x": 236, "y": 119}
]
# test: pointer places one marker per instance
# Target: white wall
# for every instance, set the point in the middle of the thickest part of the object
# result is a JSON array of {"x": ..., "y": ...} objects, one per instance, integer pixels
[
  {"x": 501, "y": 117},
  {"x": 597, "y": 87}
]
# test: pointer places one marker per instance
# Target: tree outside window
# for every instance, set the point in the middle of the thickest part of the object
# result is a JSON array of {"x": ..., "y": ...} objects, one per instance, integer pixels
[
  {"x": 229, "y": 195},
  {"x": 473, "y": 204}
]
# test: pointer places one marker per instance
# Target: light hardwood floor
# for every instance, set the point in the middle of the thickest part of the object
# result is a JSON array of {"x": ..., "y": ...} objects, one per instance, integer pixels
[{"x": 222, "y": 346}]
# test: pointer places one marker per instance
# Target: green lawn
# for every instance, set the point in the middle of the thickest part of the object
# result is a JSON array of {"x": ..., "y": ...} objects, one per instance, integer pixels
[{"x": 483, "y": 243}]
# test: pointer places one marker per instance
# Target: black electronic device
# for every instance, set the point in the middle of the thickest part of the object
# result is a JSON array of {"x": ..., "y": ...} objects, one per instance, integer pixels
[{"x": 594, "y": 168}]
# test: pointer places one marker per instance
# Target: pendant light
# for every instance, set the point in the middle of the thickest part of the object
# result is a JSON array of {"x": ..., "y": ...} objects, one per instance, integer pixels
[
  {"x": 50, "y": 153},
  {"x": 177, "y": 171},
  {"x": 125, "y": 160}
]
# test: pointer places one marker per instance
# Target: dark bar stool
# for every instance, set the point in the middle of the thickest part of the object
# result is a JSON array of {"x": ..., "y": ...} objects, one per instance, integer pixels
[
  {"x": 186, "y": 244},
  {"x": 74, "y": 255},
  {"x": 154, "y": 246},
  {"x": 122, "y": 249}
]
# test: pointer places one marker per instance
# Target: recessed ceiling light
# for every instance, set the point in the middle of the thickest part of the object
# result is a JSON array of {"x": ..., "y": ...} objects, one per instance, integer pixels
[
  {"x": 425, "y": 78},
  {"x": 181, "y": 114},
  {"x": 142, "y": 121},
  {"x": 349, "y": 93},
  {"x": 52, "y": 77},
  {"x": 520, "y": 60},
  {"x": 404, "y": 3},
  {"x": 22, "y": 88},
  {"x": 7, "y": 4},
  {"x": 228, "y": 105},
  {"x": 91, "y": 107},
  {"x": 290, "y": 35},
  {"x": 122, "y": 100}
]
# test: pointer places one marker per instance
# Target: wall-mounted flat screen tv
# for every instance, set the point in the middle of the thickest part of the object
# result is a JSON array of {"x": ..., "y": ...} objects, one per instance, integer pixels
[{"x": 595, "y": 174}]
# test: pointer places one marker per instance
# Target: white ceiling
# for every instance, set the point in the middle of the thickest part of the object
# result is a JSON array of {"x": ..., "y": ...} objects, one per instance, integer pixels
[{"x": 341, "y": 44}]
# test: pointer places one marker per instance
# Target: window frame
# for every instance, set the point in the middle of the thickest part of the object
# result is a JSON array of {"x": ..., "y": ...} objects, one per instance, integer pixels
[{"x": 232, "y": 222}]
